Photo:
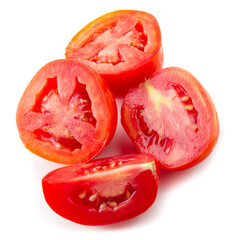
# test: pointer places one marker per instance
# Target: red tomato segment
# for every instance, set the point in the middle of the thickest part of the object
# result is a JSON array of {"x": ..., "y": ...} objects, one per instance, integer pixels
[
  {"x": 67, "y": 114},
  {"x": 172, "y": 117},
  {"x": 124, "y": 47},
  {"x": 103, "y": 191}
]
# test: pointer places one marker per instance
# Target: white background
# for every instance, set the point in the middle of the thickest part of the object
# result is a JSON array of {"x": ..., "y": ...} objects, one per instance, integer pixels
[{"x": 193, "y": 204}]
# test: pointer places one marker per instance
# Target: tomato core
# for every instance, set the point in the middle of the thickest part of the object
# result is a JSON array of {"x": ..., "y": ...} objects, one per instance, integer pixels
[
  {"x": 107, "y": 43},
  {"x": 50, "y": 104}
]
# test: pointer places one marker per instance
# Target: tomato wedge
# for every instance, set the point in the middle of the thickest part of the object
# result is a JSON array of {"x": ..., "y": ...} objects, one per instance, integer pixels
[
  {"x": 103, "y": 191},
  {"x": 67, "y": 113},
  {"x": 172, "y": 117},
  {"x": 124, "y": 47}
]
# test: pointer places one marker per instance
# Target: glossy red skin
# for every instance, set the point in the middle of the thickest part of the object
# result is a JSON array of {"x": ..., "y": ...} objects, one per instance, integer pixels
[
  {"x": 62, "y": 188},
  {"x": 137, "y": 64},
  {"x": 207, "y": 122},
  {"x": 103, "y": 107}
]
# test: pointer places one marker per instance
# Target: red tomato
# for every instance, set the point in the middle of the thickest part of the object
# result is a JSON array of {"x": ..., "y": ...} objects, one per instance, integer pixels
[
  {"x": 172, "y": 117},
  {"x": 67, "y": 114},
  {"x": 103, "y": 191},
  {"x": 124, "y": 47}
]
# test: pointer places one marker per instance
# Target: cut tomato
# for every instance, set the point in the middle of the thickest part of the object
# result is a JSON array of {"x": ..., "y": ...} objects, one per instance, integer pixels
[
  {"x": 172, "y": 117},
  {"x": 67, "y": 114},
  {"x": 124, "y": 47},
  {"x": 103, "y": 191}
]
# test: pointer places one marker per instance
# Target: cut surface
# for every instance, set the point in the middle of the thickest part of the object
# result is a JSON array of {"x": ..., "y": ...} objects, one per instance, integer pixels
[
  {"x": 124, "y": 47},
  {"x": 106, "y": 44},
  {"x": 103, "y": 191},
  {"x": 173, "y": 118},
  {"x": 57, "y": 112},
  {"x": 67, "y": 113}
]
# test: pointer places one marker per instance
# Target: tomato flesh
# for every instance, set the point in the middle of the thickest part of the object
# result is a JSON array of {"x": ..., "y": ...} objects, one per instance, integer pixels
[
  {"x": 172, "y": 117},
  {"x": 103, "y": 191},
  {"x": 67, "y": 114},
  {"x": 124, "y": 47}
]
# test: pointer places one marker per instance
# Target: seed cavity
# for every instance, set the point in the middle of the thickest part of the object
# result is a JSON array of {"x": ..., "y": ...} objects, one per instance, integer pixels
[
  {"x": 154, "y": 138},
  {"x": 100, "y": 203},
  {"x": 187, "y": 101}
]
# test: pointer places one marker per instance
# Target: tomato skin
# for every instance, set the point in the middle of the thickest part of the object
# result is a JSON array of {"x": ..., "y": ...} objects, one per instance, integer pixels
[
  {"x": 65, "y": 77},
  {"x": 103, "y": 196},
  {"x": 202, "y": 114},
  {"x": 137, "y": 64}
]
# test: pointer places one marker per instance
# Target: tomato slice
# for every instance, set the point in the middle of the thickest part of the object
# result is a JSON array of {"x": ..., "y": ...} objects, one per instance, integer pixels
[
  {"x": 172, "y": 117},
  {"x": 124, "y": 47},
  {"x": 103, "y": 191},
  {"x": 67, "y": 114}
]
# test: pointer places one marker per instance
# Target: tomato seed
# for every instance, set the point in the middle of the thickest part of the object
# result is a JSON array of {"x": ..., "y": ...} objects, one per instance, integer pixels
[
  {"x": 127, "y": 194},
  {"x": 103, "y": 205},
  {"x": 84, "y": 119},
  {"x": 112, "y": 165},
  {"x": 82, "y": 195},
  {"x": 67, "y": 133},
  {"x": 58, "y": 145},
  {"x": 93, "y": 197},
  {"x": 184, "y": 98},
  {"x": 45, "y": 128},
  {"x": 113, "y": 204},
  {"x": 189, "y": 107}
]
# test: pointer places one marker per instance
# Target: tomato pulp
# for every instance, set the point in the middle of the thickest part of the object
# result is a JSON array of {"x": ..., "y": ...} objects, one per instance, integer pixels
[
  {"x": 103, "y": 191},
  {"x": 172, "y": 117},
  {"x": 124, "y": 47},
  {"x": 67, "y": 113}
]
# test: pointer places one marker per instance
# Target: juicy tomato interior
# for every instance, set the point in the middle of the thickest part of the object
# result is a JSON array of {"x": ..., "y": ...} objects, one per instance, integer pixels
[
  {"x": 103, "y": 191},
  {"x": 172, "y": 117},
  {"x": 123, "y": 46},
  {"x": 60, "y": 112},
  {"x": 49, "y": 103},
  {"x": 104, "y": 46}
]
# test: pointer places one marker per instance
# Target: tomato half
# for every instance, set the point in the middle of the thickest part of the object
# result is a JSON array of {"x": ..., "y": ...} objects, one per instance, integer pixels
[
  {"x": 103, "y": 191},
  {"x": 172, "y": 117},
  {"x": 124, "y": 47},
  {"x": 67, "y": 113}
]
